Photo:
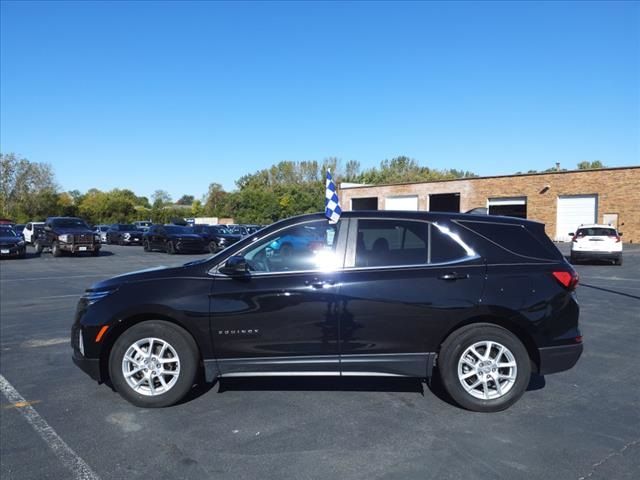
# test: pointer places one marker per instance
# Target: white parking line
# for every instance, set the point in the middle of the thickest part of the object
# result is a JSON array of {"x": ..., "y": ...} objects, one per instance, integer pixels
[{"x": 70, "y": 459}]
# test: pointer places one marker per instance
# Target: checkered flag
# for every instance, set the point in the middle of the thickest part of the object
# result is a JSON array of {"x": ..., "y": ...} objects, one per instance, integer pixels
[{"x": 332, "y": 204}]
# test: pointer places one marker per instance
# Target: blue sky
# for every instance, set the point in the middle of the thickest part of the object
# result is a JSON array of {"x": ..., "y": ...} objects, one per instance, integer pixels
[{"x": 178, "y": 95}]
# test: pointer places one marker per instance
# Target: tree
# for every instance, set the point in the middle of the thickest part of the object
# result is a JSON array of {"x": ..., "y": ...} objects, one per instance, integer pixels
[
  {"x": 586, "y": 165},
  {"x": 23, "y": 185},
  {"x": 185, "y": 200},
  {"x": 161, "y": 197}
]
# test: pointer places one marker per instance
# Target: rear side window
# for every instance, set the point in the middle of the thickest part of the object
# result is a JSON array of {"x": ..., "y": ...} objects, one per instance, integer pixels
[
  {"x": 515, "y": 238},
  {"x": 404, "y": 242}
]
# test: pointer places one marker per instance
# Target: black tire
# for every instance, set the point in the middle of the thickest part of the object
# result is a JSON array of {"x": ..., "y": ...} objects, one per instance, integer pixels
[
  {"x": 213, "y": 247},
  {"x": 170, "y": 248},
  {"x": 146, "y": 247},
  {"x": 121, "y": 242},
  {"x": 55, "y": 249},
  {"x": 184, "y": 346},
  {"x": 38, "y": 246},
  {"x": 455, "y": 346},
  {"x": 95, "y": 253},
  {"x": 619, "y": 261}
]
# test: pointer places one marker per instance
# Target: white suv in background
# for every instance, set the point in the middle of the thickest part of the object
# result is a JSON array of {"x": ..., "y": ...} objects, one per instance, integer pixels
[
  {"x": 30, "y": 229},
  {"x": 596, "y": 242}
]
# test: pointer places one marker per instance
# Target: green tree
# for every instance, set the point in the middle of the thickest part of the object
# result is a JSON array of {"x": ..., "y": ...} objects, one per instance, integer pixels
[
  {"x": 587, "y": 165},
  {"x": 185, "y": 200}
]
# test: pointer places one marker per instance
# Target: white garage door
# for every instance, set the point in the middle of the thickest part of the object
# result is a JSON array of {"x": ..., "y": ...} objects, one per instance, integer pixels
[
  {"x": 573, "y": 211},
  {"x": 401, "y": 203}
]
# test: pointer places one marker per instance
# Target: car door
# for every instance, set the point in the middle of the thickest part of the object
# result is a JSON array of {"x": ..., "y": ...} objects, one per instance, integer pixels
[
  {"x": 405, "y": 283},
  {"x": 280, "y": 316}
]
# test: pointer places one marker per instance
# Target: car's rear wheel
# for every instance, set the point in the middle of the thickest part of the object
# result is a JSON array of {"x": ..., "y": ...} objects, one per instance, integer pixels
[
  {"x": 38, "y": 246},
  {"x": 213, "y": 246},
  {"x": 154, "y": 364},
  {"x": 485, "y": 368},
  {"x": 618, "y": 260},
  {"x": 146, "y": 246}
]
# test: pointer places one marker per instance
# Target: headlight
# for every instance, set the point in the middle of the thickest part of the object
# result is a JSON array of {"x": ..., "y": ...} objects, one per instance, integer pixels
[
  {"x": 65, "y": 238},
  {"x": 127, "y": 236},
  {"x": 93, "y": 296}
]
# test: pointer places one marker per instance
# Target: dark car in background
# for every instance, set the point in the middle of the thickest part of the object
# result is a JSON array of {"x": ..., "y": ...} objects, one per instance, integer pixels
[
  {"x": 216, "y": 237},
  {"x": 11, "y": 243},
  {"x": 482, "y": 301},
  {"x": 173, "y": 239},
  {"x": 67, "y": 234},
  {"x": 124, "y": 234}
]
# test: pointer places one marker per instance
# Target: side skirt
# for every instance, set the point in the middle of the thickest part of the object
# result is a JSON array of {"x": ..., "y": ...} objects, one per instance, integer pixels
[{"x": 386, "y": 365}]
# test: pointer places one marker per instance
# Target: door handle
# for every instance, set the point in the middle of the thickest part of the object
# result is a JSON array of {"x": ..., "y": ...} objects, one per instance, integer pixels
[
  {"x": 453, "y": 276},
  {"x": 317, "y": 283}
]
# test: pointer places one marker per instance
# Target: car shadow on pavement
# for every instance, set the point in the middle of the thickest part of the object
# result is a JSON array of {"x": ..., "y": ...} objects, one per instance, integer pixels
[{"x": 314, "y": 384}]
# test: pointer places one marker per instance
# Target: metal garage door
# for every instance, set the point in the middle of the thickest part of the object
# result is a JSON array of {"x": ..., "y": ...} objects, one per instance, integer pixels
[
  {"x": 401, "y": 203},
  {"x": 574, "y": 211}
]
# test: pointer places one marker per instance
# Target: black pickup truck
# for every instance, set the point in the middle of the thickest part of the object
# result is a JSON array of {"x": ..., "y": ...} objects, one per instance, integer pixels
[{"x": 67, "y": 234}]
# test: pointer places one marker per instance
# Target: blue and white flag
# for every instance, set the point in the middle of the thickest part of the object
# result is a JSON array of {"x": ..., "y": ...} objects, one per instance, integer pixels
[{"x": 332, "y": 208}]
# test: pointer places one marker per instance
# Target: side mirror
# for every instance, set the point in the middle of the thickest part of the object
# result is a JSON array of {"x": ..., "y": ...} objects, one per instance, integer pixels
[
  {"x": 235, "y": 266},
  {"x": 571, "y": 234}
]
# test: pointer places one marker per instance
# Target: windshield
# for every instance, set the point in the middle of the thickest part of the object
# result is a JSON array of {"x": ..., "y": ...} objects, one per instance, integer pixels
[
  {"x": 177, "y": 229},
  {"x": 69, "y": 223},
  {"x": 127, "y": 227},
  {"x": 7, "y": 232}
]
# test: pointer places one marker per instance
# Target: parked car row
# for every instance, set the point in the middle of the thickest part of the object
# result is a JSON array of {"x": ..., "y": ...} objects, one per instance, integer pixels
[{"x": 73, "y": 235}]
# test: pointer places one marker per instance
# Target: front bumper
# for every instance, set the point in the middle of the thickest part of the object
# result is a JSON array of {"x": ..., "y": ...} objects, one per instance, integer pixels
[
  {"x": 77, "y": 248},
  {"x": 12, "y": 251},
  {"x": 90, "y": 366},
  {"x": 560, "y": 358}
]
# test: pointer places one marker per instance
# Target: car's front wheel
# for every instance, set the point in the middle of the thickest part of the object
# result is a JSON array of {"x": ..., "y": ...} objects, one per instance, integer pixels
[
  {"x": 154, "y": 364},
  {"x": 484, "y": 367},
  {"x": 170, "y": 248}
]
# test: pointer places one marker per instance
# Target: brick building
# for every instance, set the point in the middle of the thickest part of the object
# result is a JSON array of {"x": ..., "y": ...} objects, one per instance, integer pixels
[{"x": 560, "y": 200}]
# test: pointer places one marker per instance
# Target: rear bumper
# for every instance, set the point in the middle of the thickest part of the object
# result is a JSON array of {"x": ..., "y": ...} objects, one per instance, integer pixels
[
  {"x": 579, "y": 254},
  {"x": 559, "y": 359},
  {"x": 90, "y": 366}
]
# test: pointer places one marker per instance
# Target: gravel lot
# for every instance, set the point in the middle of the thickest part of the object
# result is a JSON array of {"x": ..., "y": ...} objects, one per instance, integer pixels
[{"x": 584, "y": 423}]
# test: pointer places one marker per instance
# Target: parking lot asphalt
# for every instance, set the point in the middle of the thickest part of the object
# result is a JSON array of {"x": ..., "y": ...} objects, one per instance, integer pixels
[{"x": 580, "y": 424}]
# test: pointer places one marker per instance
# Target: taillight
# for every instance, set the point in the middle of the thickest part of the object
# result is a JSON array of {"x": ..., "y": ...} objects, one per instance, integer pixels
[
  {"x": 568, "y": 279},
  {"x": 615, "y": 237}
]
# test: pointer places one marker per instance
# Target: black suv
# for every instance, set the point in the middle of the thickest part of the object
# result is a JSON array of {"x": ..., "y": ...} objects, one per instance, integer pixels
[
  {"x": 67, "y": 234},
  {"x": 124, "y": 234},
  {"x": 11, "y": 243},
  {"x": 216, "y": 237},
  {"x": 484, "y": 300},
  {"x": 172, "y": 239}
]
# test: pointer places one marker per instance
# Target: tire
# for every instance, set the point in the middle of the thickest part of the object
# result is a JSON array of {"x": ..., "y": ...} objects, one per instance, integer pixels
[
  {"x": 55, "y": 249},
  {"x": 95, "y": 253},
  {"x": 485, "y": 396},
  {"x": 619, "y": 261},
  {"x": 213, "y": 247},
  {"x": 180, "y": 345},
  {"x": 170, "y": 248},
  {"x": 121, "y": 242},
  {"x": 146, "y": 247},
  {"x": 38, "y": 247}
]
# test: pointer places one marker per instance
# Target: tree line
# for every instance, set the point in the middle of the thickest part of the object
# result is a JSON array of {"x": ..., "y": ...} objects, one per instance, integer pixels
[{"x": 29, "y": 192}]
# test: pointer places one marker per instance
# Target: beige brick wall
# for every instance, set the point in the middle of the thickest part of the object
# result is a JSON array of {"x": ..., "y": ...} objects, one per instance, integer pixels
[{"x": 618, "y": 191}]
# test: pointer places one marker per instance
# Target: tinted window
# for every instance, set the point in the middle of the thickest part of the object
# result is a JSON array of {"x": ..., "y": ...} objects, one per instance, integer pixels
[
  {"x": 391, "y": 242},
  {"x": 516, "y": 238},
  {"x": 69, "y": 223},
  {"x": 443, "y": 248},
  {"x": 308, "y": 246},
  {"x": 596, "y": 232},
  {"x": 7, "y": 232},
  {"x": 172, "y": 229}
]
